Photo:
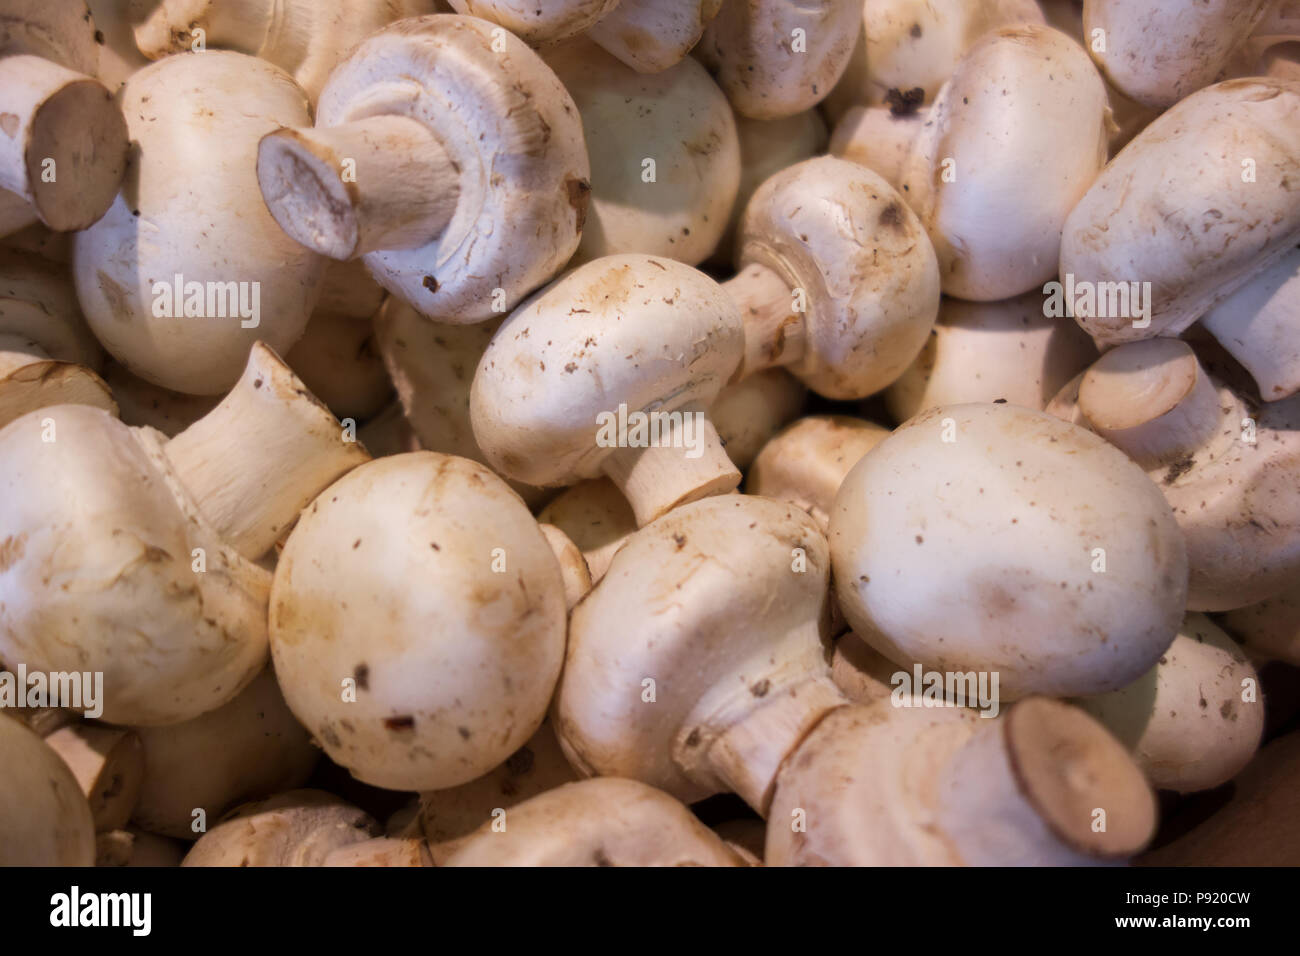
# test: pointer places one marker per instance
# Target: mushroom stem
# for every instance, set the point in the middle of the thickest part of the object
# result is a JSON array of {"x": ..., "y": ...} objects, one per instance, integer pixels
[
  {"x": 383, "y": 182},
  {"x": 256, "y": 460},
  {"x": 240, "y": 24},
  {"x": 686, "y": 463},
  {"x": 30, "y": 379},
  {"x": 64, "y": 143},
  {"x": 108, "y": 764},
  {"x": 1044, "y": 786},
  {"x": 747, "y": 755},
  {"x": 774, "y": 332},
  {"x": 1152, "y": 400}
]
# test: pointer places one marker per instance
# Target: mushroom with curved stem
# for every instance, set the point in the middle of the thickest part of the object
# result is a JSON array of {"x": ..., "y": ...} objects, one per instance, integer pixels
[
  {"x": 1257, "y": 323},
  {"x": 1224, "y": 463},
  {"x": 469, "y": 660},
  {"x": 456, "y": 169},
  {"x": 653, "y": 35},
  {"x": 806, "y": 463},
  {"x": 993, "y": 176},
  {"x": 539, "y": 23},
  {"x": 596, "y": 517},
  {"x": 447, "y": 817},
  {"x": 1160, "y": 51},
  {"x": 1194, "y": 208},
  {"x": 108, "y": 763},
  {"x": 432, "y": 368},
  {"x": 1009, "y": 351},
  {"x": 766, "y": 148},
  {"x": 305, "y": 38},
  {"x": 879, "y": 785},
  {"x": 878, "y": 137},
  {"x": 150, "y": 578},
  {"x": 337, "y": 357},
  {"x": 609, "y": 371},
  {"x": 1195, "y": 719},
  {"x": 697, "y": 665},
  {"x": 749, "y": 412},
  {"x": 603, "y": 822},
  {"x": 665, "y": 157},
  {"x": 774, "y": 58},
  {"x": 296, "y": 828},
  {"x": 1269, "y": 630},
  {"x": 47, "y": 355},
  {"x": 1064, "y": 569},
  {"x": 839, "y": 283},
  {"x": 47, "y": 820},
  {"x": 64, "y": 151},
  {"x": 246, "y": 749},
  {"x": 176, "y": 281}
]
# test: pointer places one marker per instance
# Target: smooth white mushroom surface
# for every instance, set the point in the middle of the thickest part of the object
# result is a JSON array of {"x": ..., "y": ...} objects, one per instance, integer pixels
[{"x": 648, "y": 433}]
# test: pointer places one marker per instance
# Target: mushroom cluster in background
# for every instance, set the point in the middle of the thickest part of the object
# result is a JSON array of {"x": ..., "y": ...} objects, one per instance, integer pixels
[{"x": 649, "y": 432}]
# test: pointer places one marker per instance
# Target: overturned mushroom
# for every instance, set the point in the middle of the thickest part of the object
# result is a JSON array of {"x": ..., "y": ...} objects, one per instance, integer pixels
[
  {"x": 64, "y": 148},
  {"x": 470, "y": 658},
  {"x": 1064, "y": 570},
  {"x": 880, "y": 785},
  {"x": 150, "y": 578},
  {"x": 456, "y": 169},
  {"x": 297, "y": 828},
  {"x": 606, "y": 822}
]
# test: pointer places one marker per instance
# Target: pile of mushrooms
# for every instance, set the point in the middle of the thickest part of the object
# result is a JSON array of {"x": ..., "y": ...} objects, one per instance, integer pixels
[{"x": 646, "y": 433}]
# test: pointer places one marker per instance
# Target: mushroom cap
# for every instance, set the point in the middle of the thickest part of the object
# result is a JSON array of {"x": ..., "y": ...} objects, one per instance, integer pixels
[
  {"x": 297, "y": 828},
  {"x": 1012, "y": 510},
  {"x": 1172, "y": 211},
  {"x": 705, "y": 603},
  {"x": 1187, "y": 720},
  {"x": 249, "y": 748},
  {"x": 196, "y": 118},
  {"x": 538, "y": 23},
  {"x": 46, "y": 820},
  {"x": 98, "y": 574},
  {"x": 62, "y": 32},
  {"x": 748, "y": 413},
  {"x": 1159, "y": 51},
  {"x": 806, "y": 463},
  {"x": 634, "y": 330},
  {"x": 913, "y": 43},
  {"x": 466, "y": 662},
  {"x": 680, "y": 119},
  {"x": 842, "y": 234},
  {"x": 1269, "y": 630},
  {"x": 37, "y": 302},
  {"x": 750, "y": 48},
  {"x": 603, "y": 822},
  {"x": 339, "y": 362},
  {"x": 514, "y": 133},
  {"x": 653, "y": 35},
  {"x": 991, "y": 351},
  {"x": 877, "y": 137},
  {"x": 1011, "y": 143},
  {"x": 596, "y": 517}
]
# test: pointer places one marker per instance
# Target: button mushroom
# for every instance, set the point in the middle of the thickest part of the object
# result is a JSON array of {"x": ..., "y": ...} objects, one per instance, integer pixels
[
  {"x": 879, "y": 785},
  {"x": 47, "y": 820},
  {"x": 131, "y": 555},
  {"x": 297, "y": 828},
  {"x": 456, "y": 169},
  {"x": 469, "y": 660},
  {"x": 108, "y": 763},
  {"x": 176, "y": 280},
  {"x": 596, "y": 517},
  {"x": 64, "y": 148},
  {"x": 539, "y": 23},
  {"x": 1063, "y": 568}
]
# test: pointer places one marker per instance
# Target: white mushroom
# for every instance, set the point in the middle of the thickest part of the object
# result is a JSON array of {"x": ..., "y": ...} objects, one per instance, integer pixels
[
  {"x": 653, "y": 35},
  {"x": 1195, "y": 719},
  {"x": 993, "y": 538},
  {"x": 607, "y": 822},
  {"x": 179, "y": 281},
  {"x": 878, "y": 137},
  {"x": 46, "y": 819},
  {"x": 665, "y": 158},
  {"x": 64, "y": 148},
  {"x": 470, "y": 656},
  {"x": 297, "y": 828},
  {"x": 448, "y": 155},
  {"x": 1269, "y": 630},
  {"x": 748, "y": 413},
  {"x": 537, "y": 22},
  {"x": 108, "y": 763},
  {"x": 132, "y": 555},
  {"x": 596, "y": 517}
]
